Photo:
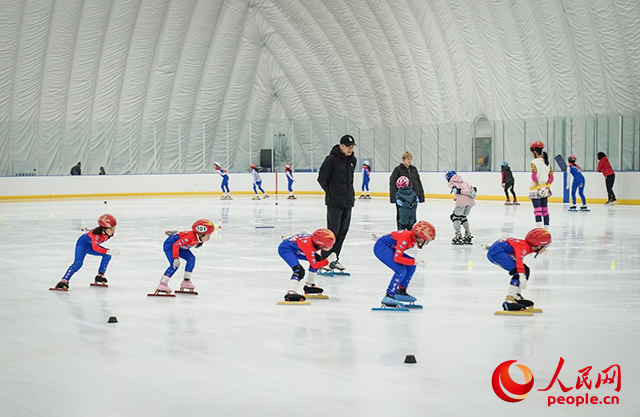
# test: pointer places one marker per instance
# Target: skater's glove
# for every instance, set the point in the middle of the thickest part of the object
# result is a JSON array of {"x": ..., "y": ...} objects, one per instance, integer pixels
[
  {"x": 455, "y": 190},
  {"x": 421, "y": 263},
  {"x": 472, "y": 194},
  {"x": 176, "y": 263},
  {"x": 332, "y": 257},
  {"x": 527, "y": 271},
  {"x": 112, "y": 252}
]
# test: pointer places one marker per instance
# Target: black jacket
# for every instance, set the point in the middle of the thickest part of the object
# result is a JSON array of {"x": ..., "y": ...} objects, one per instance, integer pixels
[
  {"x": 507, "y": 175},
  {"x": 76, "y": 170},
  {"x": 414, "y": 181},
  {"x": 336, "y": 178}
]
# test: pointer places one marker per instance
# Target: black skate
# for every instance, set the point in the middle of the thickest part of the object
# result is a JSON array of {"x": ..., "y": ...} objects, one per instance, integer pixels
[
  {"x": 100, "y": 281},
  {"x": 294, "y": 297},
  {"x": 311, "y": 291},
  {"x": 362, "y": 196},
  {"x": 63, "y": 285},
  {"x": 511, "y": 304},
  {"x": 573, "y": 208},
  {"x": 457, "y": 240},
  {"x": 467, "y": 239}
]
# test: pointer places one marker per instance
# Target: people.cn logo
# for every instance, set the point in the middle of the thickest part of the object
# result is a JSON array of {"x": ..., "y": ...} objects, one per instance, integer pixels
[{"x": 501, "y": 382}]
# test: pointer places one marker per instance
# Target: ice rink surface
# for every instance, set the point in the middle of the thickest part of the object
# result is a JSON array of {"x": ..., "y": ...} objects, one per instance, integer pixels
[{"x": 231, "y": 351}]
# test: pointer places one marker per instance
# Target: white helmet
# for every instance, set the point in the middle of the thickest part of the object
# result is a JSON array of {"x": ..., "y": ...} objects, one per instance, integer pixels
[
  {"x": 217, "y": 163},
  {"x": 366, "y": 163}
]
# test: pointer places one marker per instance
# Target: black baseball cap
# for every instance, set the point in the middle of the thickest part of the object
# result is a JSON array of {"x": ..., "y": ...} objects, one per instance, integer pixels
[{"x": 347, "y": 140}]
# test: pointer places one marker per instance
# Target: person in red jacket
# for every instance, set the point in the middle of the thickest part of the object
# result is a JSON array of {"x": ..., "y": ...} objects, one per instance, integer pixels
[
  {"x": 509, "y": 255},
  {"x": 609, "y": 176},
  {"x": 89, "y": 243}
]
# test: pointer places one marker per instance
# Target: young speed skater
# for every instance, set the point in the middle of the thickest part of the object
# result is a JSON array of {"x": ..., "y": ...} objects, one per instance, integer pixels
[
  {"x": 541, "y": 180},
  {"x": 308, "y": 248},
  {"x": 509, "y": 255},
  {"x": 366, "y": 177},
  {"x": 465, "y": 195},
  {"x": 257, "y": 183},
  {"x": 177, "y": 246},
  {"x": 407, "y": 202},
  {"x": 390, "y": 250},
  {"x": 290, "y": 181},
  {"x": 226, "y": 195},
  {"x": 508, "y": 182},
  {"x": 89, "y": 243},
  {"x": 577, "y": 184}
]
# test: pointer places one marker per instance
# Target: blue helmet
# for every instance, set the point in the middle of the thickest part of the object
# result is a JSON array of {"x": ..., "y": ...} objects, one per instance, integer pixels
[
  {"x": 449, "y": 174},
  {"x": 505, "y": 164}
]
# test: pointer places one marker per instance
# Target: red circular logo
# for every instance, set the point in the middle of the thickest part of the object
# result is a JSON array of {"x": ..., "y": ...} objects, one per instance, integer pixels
[{"x": 501, "y": 381}]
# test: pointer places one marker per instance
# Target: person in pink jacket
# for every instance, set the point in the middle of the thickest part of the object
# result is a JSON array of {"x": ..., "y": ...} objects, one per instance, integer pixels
[{"x": 465, "y": 200}]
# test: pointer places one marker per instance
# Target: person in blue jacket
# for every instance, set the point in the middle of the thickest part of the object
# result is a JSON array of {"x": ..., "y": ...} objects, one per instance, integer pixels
[{"x": 577, "y": 184}]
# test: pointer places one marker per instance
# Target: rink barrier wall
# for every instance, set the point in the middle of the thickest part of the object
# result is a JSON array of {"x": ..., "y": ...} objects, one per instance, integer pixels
[{"x": 627, "y": 186}]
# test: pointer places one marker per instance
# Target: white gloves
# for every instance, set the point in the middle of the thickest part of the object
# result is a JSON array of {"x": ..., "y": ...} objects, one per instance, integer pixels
[
  {"x": 421, "y": 263},
  {"x": 332, "y": 257},
  {"x": 113, "y": 252},
  {"x": 176, "y": 263}
]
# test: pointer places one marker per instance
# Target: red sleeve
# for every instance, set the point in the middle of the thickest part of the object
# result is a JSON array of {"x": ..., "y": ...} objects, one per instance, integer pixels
[
  {"x": 186, "y": 238},
  {"x": 404, "y": 241},
  {"x": 520, "y": 250},
  {"x": 600, "y": 165},
  {"x": 95, "y": 243},
  {"x": 502, "y": 172},
  {"x": 308, "y": 250}
]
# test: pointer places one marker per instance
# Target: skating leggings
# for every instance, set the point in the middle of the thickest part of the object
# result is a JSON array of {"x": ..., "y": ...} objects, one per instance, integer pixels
[
  {"x": 540, "y": 210},
  {"x": 183, "y": 253},
  {"x": 501, "y": 254},
  {"x": 402, "y": 273},
  {"x": 259, "y": 185},
  {"x": 290, "y": 184},
  {"x": 509, "y": 186},
  {"x": 290, "y": 253},
  {"x": 83, "y": 247},
  {"x": 225, "y": 184},
  {"x": 579, "y": 186},
  {"x": 365, "y": 184},
  {"x": 609, "y": 180}
]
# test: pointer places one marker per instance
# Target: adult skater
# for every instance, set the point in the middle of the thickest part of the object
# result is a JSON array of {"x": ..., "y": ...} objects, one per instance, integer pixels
[
  {"x": 405, "y": 169},
  {"x": 336, "y": 179},
  {"x": 604, "y": 166}
]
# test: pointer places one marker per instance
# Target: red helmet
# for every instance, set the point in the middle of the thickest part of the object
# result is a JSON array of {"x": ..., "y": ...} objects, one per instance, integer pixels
[
  {"x": 323, "y": 238},
  {"x": 538, "y": 237},
  {"x": 536, "y": 145},
  {"x": 424, "y": 230},
  {"x": 203, "y": 227},
  {"x": 571, "y": 158},
  {"x": 402, "y": 182},
  {"x": 107, "y": 220},
  {"x": 252, "y": 166}
]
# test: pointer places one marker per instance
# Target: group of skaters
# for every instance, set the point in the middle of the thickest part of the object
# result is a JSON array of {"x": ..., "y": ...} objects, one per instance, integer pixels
[{"x": 322, "y": 248}]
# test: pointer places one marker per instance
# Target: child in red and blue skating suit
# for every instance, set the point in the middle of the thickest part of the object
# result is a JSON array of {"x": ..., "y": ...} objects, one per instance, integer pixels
[
  {"x": 509, "y": 255},
  {"x": 177, "y": 246},
  {"x": 307, "y": 248},
  {"x": 89, "y": 243},
  {"x": 226, "y": 195},
  {"x": 366, "y": 177},
  {"x": 389, "y": 249}
]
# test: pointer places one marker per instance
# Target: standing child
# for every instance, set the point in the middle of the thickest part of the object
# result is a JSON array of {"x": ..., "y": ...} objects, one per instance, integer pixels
[
  {"x": 509, "y": 255},
  {"x": 89, "y": 243},
  {"x": 257, "y": 183},
  {"x": 604, "y": 166},
  {"x": 306, "y": 247},
  {"x": 508, "y": 182},
  {"x": 366, "y": 176},
  {"x": 177, "y": 246},
  {"x": 407, "y": 202},
  {"x": 390, "y": 250},
  {"x": 465, "y": 195},
  {"x": 290, "y": 180},
  {"x": 578, "y": 183},
  {"x": 541, "y": 180},
  {"x": 226, "y": 195}
]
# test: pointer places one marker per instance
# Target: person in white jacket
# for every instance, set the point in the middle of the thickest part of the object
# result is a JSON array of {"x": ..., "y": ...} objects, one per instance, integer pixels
[
  {"x": 257, "y": 183},
  {"x": 541, "y": 180}
]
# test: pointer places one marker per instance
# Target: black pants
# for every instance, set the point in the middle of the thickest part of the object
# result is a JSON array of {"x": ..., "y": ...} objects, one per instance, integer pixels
[
  {"x": 609, "y": 181},
  {"x": 338, "y": 221},
  {"x": 507, "y": 186}
]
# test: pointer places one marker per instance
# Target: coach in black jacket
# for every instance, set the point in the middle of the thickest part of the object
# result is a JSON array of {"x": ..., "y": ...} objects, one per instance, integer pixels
[
  {"x": 405, "y": 169},
  {"x": 336, "y": 179}
]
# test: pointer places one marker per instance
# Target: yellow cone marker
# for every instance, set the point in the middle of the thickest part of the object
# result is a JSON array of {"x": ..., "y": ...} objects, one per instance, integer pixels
[
  {"x": 613, "y": 265},
  {"x": 20, "y": 208},
  {"x": 125, "y": 212},
  {"x": 52, "y": 214},
  {"x": 470, "y": 265},
  {"x": 1, "y": 217}
]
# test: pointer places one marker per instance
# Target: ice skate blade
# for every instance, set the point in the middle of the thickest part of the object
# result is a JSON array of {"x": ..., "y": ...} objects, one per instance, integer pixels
[
  {"x": 58, "y": 289},
  {"x": 342, "y": 273},
  {"x": 325, "y": 273},
  {"x": 414, "y": 306},
  {"x": 93, "y": 284},
  {"x": 159, "y": 294},
  {"x": 385, "y": 308},
  {"x": 294, "y": 303},
  {"x": 316, "y": 296},
  {"x": 513, "y": 313},
  {"x": 186, "y": 292},
  {"x": 534, "y": 310}
]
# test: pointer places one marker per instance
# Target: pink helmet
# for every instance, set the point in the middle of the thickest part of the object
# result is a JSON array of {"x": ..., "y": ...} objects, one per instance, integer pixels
[{"x": 402, "y": 182}]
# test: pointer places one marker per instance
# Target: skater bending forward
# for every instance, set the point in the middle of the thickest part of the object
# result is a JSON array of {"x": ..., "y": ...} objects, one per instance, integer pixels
[
  {"x": 308, "y": 248},
  {"x": 509, "y": 255},
  {"x": 177, "y": 246},
  {"x": 389, "y": 249},
  {"x": 89, "y": 243}
]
